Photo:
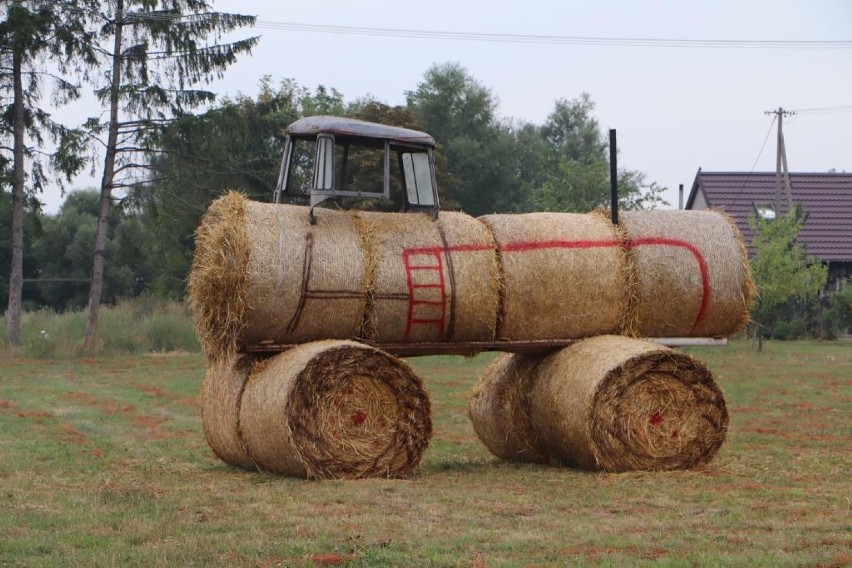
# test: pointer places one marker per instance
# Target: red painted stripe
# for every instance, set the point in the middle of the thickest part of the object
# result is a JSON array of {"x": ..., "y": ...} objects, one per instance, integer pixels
[
  {"x": 455, "y": 248},
  {"x": 581, "y": 244},
  {"x": 520, "y": 247},
  {"x": 699, "y": 258}
]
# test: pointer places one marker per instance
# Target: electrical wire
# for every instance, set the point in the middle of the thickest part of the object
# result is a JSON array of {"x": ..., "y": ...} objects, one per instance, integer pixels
[
  {"x": 843, "y": 108},
  {"x": 557, "y": 39},
  {"x": 754, "y": 165}
]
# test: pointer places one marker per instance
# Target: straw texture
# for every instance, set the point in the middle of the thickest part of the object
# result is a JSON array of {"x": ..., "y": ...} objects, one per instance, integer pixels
[
  {"x": 692, "y": 274},
  {"x": 221, "y": 393},
  {"x": 261, "y": 272},
  {"x": 429, "y": 280},
  {"x": 499, "y": 409},
  {"x": 335, "y": 409},
  {"x": 563, "y": 275},
  {"x": 218, "y": 281},
  {"x": 621, "y": 404}
]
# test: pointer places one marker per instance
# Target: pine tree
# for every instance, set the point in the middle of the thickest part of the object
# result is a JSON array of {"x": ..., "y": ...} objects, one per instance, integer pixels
[
  {"x": 36, "y": 43},
  {"x": 159, "y": 51}
]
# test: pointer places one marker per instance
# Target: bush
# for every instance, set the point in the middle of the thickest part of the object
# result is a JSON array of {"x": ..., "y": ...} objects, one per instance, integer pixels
[
  {"x": 132, "y": 327},
  {"x": 839, "y": 312}
]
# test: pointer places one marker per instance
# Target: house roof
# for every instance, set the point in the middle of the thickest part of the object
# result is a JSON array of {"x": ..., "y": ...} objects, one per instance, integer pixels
[{"x": 827, "y": 198}]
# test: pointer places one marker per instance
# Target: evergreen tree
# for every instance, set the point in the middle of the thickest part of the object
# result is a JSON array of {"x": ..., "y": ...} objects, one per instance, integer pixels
[
  {"x": 35, "y": 43},
  {"x": 158, "y": 52}
]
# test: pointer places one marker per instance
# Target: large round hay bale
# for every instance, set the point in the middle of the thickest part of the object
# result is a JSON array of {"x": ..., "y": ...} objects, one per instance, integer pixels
[
  {"x": 619, "y": 404},
  {"x": 221, "y": 393},
  {"x": 335, "y": 409},
  {"x": 692, "y": 275},
  {"x": 499, "y": 408},
  {"x": 262, "y": 272},
  {"x": 563, "y": 275},
  {"x": 430, "y": 280}
]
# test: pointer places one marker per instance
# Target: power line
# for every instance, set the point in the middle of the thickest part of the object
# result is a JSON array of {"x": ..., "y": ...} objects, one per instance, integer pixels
[
  {"x": 843, "y": 108},
  {"x": 556, "y": 39},
  {"x": 754, "y": 165}
]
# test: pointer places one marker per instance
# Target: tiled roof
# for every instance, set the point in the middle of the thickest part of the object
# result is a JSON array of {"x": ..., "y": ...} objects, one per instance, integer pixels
[{"x": 827, "y": 198}]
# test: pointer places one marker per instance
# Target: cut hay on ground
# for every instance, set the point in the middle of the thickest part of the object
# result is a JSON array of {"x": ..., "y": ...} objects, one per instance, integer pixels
[
  {"x": 621, "y": 404},
  {"x": 692, "y": 274},
  {"x": 431, "y": 280},
  {"x": 335, "y": 409},
  {"x": 499, "y": 409},
  {"x": 262, "y": 272},
  {"x": 563, "y": 275},
  {"x": 220, "y": 408}
]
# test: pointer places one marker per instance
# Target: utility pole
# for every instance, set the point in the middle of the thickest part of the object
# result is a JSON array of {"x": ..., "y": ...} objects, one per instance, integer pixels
[{"x": 781, "y": 175}]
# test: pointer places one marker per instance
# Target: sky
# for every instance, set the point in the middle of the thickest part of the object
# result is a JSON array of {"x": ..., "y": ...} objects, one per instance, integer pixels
[{"x": 676, "y": 109}]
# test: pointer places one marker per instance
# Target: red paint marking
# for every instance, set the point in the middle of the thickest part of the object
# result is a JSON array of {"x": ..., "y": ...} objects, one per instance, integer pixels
[
  {"x": 656, "y": 419},
  {"x": 455, "y": 248},
  {"x": 699, "y": 258},
  {"x": 437, "y": 266},
  {"x": 358, "y": 418},
  {"x": 539, "y": 245},
  {"x": 520, "y": 247}
]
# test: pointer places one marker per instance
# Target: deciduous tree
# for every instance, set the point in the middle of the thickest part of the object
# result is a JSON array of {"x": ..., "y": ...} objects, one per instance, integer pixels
[{"x": 782, "y": 269}]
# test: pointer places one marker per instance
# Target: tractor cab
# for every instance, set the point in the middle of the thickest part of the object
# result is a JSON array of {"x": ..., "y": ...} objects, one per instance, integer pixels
[{"x": 355, "y": 163}]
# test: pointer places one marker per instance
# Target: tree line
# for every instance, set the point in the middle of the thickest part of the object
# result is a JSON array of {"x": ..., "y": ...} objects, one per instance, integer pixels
[
  {"x": 162, "y": 161},
  {"x": 166, "y": 147}
]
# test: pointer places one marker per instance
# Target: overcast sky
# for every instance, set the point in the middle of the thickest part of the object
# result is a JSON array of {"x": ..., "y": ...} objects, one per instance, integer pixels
[{"x": 675, "y": 108}]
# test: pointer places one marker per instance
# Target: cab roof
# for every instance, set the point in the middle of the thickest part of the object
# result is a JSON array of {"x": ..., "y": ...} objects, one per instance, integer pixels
[{"x": 313, "y": 125}]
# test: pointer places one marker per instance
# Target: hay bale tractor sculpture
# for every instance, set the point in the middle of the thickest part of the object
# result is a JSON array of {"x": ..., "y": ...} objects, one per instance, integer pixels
[{"x": 305, "y": 309}]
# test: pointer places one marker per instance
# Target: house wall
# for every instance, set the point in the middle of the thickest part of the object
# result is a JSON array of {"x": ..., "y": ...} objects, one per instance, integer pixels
[{"x": 699, "y": 203}]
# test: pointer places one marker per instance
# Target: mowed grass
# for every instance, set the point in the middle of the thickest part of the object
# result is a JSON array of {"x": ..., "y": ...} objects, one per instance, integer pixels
[{"x": 103, "y": 463}]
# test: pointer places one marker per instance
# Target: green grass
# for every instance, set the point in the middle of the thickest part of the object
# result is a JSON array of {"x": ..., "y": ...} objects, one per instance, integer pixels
[{"x": 103, "y": 463}]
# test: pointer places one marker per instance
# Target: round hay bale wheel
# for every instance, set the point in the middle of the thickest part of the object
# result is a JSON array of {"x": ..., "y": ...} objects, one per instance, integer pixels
[
  {"x": 220, "y": 407},
  {"x": 621, "y": 404},
  {"x": 499, "y": 408},
  {"x": 335, "y": 409}
]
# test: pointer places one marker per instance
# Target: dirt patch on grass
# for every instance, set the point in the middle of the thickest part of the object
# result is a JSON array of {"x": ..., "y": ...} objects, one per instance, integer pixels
[
  {"x": 35, "y": 414},
  {"x": 73, "y": 435},
  {"x": 156, "y": 392},
  {"x": 85, "y": 398},
  {"x": 149, "y": 422},
  {"x": 105, "y": 406},
  {"x": 6, "y": 404},
  {"x": 594, "y": 553},
  {"x": 330, "y": 559}
]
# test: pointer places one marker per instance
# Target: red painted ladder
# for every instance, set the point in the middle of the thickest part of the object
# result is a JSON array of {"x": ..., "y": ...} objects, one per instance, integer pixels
[{"x": 424, "y": 272}]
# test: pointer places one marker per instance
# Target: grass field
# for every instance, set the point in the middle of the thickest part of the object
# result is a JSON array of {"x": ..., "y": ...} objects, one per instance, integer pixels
[{"x": 103, "y": 463}]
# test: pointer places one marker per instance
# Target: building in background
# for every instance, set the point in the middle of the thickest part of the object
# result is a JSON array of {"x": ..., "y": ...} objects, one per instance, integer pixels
[{"x": 826, "y": 197}]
